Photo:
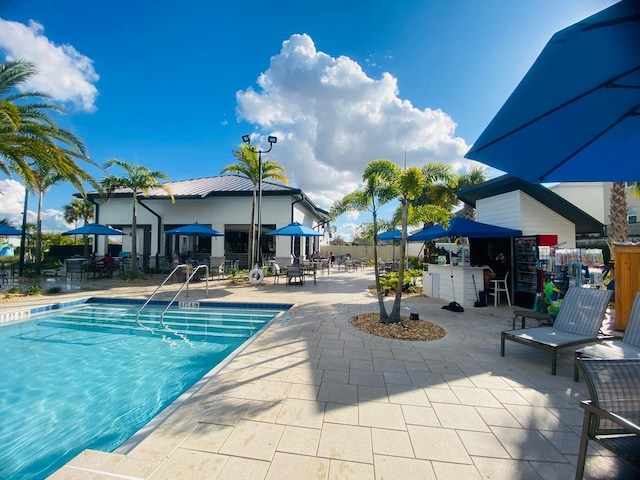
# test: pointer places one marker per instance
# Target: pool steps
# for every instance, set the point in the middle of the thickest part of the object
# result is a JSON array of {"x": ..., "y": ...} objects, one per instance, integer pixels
[{"x": 199, "y": 325}]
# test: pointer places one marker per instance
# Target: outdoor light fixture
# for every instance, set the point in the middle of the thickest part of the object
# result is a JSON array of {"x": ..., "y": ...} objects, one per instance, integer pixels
[{"x": 247, "y": 139}]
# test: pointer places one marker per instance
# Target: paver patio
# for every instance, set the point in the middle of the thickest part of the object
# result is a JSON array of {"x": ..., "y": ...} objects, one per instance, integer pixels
[{"x": 318, "y": 399}]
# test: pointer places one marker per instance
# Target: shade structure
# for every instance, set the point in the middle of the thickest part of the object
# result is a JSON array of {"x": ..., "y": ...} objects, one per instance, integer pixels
[
  {"x": 195, "y": 230},
  {"x": 6, "y": 230},
  {"x": 426, "y": 234},
  {"x": 295, "y": 229},
  {"x": 463, "y": 227},
  {"x": 575, "y": 116},
  {"x": 94, "y": 229},
  {"x": 390, "y": 235}
]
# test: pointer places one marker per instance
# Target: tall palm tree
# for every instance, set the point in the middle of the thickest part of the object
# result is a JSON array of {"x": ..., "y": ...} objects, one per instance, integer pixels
[
  {"x": 468, "y": 178},
  {"x": 139, "y": 180},
  {"x": 79, "y": 209},
  {"x": 378, "y": 190},
  {"x": 249, "y": 166},
  {"x": 29, "y": 137}
]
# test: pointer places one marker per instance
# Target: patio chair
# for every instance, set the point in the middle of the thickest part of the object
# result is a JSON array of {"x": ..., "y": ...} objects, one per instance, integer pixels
[
  {"x": 293, "y": 272},
  {"x": 626, "y": 348},
  {"x": 74, "y": 267},
  {"x": 500, "y": 286},
  {"x": 578, "y": 322},
  {"x": 277, "y": 272},
  {"x": 612, "y": 416}
]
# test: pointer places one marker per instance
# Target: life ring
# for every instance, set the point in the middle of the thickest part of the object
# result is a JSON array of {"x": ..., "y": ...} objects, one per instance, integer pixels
[{"x": 256, "y": 276}]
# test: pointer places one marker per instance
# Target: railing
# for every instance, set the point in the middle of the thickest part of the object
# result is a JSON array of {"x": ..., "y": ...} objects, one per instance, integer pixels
[{"x": 185, "y": 285}]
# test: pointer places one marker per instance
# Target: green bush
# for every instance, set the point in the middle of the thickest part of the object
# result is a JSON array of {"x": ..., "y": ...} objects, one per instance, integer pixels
[
  {"x": 54, "y": 291},
  {"x": 33, "y": 290}
]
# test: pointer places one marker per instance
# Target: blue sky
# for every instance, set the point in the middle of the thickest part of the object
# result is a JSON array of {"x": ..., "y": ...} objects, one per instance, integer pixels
[{"x": 174, "y": 85}]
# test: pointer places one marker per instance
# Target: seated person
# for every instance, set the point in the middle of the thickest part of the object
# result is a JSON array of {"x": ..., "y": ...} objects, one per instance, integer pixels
[
  {"x": 498, "y": 271},
  {"x": 108, "y": 264}
]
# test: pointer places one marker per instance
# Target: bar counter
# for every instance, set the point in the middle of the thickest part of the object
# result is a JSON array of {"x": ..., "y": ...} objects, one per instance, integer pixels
[{"x": 450, "y": 280}]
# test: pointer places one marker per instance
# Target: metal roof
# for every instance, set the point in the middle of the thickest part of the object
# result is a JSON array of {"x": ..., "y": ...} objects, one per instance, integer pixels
[
  {"x": 219, "y": 186},
  {"x": 584, "y": 223}
]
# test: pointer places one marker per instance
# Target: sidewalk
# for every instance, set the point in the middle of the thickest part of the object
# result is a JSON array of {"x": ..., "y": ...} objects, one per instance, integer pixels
[{"x": 314, "y": 398}]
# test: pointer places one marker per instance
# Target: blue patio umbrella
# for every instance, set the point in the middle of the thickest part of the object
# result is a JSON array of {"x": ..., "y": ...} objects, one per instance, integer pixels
[
  {"x": 195, "y": 230},
  {"x": 575, "y": 116},
  {"x": 295, "y": 229},
  {"x": 390, "y": 235},
  {"x": 94, "y": 229}
]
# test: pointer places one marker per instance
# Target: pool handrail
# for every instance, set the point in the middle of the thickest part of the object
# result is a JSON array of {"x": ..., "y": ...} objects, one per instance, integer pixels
[{"x": 186, "y": 283}]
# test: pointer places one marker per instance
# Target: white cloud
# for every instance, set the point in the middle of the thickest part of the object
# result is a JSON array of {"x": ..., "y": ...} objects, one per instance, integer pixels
[
  {"x": 12, "y": 203},
  {"x": 332, "y": 119},
  {"x": 64, "y": 73}
]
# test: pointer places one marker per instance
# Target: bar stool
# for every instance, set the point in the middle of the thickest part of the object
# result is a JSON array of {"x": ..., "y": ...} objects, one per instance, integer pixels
[{"x": 497, "y": 287}]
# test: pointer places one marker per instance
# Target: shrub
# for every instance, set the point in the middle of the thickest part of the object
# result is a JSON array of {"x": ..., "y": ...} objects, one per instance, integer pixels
[{"x": 33, "y": 290}]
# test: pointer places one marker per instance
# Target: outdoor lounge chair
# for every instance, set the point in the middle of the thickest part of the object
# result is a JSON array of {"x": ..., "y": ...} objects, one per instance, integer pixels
[
  {"x": 612, "y": 416},
  {"x": 628, "y": 347},
  {"x": 578, "y": 322}
]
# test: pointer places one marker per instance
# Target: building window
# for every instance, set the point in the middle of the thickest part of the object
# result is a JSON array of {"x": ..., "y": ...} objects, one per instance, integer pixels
[{"x": 632, "y": 215}]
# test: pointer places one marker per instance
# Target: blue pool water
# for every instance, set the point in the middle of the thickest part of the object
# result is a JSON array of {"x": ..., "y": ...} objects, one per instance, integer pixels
[{"x": 89, "y": 377}]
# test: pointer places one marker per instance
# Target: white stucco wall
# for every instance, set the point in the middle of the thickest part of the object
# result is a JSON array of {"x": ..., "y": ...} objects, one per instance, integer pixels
[
  {"x": 215, "y": 211},
  {"x": 593, "y": 198},
  {"x": 520, "y": 211}
]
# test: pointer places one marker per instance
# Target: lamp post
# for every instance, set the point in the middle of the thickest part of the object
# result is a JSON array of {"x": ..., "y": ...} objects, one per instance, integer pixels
[{"x": 247, "y": 139}]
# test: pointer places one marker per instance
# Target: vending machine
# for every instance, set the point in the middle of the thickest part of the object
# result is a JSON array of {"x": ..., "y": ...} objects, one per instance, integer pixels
[{"x": 528, "y": 271}]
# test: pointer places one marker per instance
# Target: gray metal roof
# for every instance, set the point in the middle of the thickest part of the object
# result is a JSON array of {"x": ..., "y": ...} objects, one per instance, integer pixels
[{"x": 220, "y": 186}]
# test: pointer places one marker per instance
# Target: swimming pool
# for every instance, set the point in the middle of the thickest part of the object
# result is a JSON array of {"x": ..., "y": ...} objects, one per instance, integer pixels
[{"x": 88, "y": 376}]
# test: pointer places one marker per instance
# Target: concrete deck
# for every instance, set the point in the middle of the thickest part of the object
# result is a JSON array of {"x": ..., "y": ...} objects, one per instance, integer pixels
[{"x": 318, "y": 399}]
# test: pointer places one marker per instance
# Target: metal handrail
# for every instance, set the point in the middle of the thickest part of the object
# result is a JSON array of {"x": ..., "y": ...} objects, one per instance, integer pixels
[
  {"x": 176, "y": 268},
  {"x": 186, "y": 284}
]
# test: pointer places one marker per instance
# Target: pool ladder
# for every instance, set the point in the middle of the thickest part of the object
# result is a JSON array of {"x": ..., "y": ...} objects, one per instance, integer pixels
[{"x": 185, "y": 267}]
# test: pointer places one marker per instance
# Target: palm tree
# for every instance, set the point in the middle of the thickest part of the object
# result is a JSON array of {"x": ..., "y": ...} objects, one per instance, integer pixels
[
  {"x": 409, "y": 186},
  {"x": 249, "y": 166},
  {"x": 139, "y": 180},
  {"x": 29, "y": 137},
  {"x": 76, "y": 210},
  {"x": 378, "y": 190}
]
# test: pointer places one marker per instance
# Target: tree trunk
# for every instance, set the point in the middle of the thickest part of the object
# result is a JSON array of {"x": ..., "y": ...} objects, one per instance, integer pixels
[
  {"x": 618, "y": 221},
  {"x": 38, "y": 258},
  {"x": 384, "y": 317},
  {"x": 134, "y": 228},
  {"x": 394, "y": 317}
]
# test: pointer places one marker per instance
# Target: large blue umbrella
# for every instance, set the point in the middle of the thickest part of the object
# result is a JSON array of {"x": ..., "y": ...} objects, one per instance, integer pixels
[
  {"x": 295, "y": 229},
  {"x": 575, "y": 116},
  {"x": 94, "y": 229},
  {"x": 195, "y": 230}
]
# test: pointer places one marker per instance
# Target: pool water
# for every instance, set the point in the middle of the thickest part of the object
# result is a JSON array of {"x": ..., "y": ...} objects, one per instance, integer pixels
[{"x": 90, "y": 377}]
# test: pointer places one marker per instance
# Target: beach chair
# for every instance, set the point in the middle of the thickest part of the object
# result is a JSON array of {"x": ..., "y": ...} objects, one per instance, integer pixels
[
  {"x": 626, "y": 348},
  {"x": 578, "y": 322},
  {"x": 612, "y": 416}
]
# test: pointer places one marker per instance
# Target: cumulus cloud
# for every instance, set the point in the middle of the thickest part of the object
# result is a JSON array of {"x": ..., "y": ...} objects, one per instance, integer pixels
[
  {"x": 64, "y": 73},
  {"x": 12, "y": 203},
  {"x": 332, "y": 119}
]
